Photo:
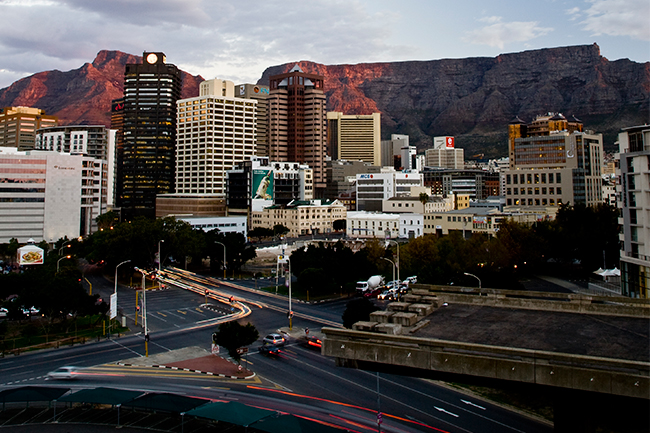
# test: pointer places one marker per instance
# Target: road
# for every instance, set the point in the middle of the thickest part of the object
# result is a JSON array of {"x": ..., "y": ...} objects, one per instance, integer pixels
[{"x": 299, "y": 381}]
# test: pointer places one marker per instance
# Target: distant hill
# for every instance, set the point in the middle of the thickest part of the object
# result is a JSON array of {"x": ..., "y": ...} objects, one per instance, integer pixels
[
  {"x": 472, "y": 99},
  {"x": 475, "y": 98},
  {"x": 81, "y": 96}
]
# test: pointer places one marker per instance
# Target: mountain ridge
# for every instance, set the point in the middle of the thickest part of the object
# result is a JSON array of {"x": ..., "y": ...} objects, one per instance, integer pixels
[{"x": 471, "y": 98}]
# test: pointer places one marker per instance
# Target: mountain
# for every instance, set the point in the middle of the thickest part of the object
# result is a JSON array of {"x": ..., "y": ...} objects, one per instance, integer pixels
[
  {"x": 474, "y": 99},
  {"x": 81, "y": 96}
]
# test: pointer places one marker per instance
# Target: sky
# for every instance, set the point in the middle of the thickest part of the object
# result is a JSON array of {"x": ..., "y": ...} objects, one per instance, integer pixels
[{"x": 238, "y": 40}]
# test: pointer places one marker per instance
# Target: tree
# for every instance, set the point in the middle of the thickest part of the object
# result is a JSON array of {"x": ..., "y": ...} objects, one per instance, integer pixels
[
  {"x": 358, "y": 310},
  {"x": 424, "y": 198},
  {"x": 260, "y": 232},
  {"x": 280, "y": 230},
  {"x": 232, "y": 336}
]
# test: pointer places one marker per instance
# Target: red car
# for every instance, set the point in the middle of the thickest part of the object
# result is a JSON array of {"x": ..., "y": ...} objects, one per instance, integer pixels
[{"x": 372, "y": 293}]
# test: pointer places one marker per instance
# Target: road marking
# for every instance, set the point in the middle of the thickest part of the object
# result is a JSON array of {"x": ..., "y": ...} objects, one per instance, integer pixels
[
  {"x": 182, "y": 312},
  {"x": 199, "y": 310},
  {"x": 445, "y": 411},
  {"x": 164, "y": 315},
  {"x": 472, "y": 404}
]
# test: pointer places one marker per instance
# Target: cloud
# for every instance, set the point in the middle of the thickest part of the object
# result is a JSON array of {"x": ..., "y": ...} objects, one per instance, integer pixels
[
  {"x": 618, "y": 18},
  {"x": 230, "y": 39},
  {"x": 573, "y": 13},
  {"x": 498, "y": 33}
]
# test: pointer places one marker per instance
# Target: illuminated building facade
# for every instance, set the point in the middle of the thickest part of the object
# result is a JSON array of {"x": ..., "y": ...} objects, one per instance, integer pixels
[
  {"x": 354, "y": 137},
  {"x": 18, "y": 126},
  {"x": 146, "y": 162}
]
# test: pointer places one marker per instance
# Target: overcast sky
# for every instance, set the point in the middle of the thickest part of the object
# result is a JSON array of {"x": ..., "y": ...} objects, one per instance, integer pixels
[{"x": 237, "y": 40}]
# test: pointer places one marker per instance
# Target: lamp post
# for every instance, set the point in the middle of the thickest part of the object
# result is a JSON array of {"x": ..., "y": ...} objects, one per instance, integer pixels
[
  {"x": 63, "y": 246},
  {"x": 58, "y": 261},
  {"x": 224, "y": 258},
  {"x": 389, "y": 260},
  {"x": 144, "y": 312},
  {"x": 159, "y": 256},
  {"x": 290, "y": 310},
  {"x": 472, "y": 275},
  {"x": 397, "y": 265}
]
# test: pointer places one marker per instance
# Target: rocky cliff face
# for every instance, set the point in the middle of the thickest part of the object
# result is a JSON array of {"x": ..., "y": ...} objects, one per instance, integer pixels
[
  {"x": 472, "y": 99},
  {"x": 82, "y": 96},
  {"x": 475, "y": 98}
]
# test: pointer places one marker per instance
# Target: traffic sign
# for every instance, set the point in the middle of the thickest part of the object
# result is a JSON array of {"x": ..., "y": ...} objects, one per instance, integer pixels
[{"x": 379, "y": 418}]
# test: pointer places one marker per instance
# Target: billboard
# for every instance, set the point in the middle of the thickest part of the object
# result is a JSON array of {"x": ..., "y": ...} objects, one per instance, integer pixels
[
  {"x": 30, "y": 255},
  {"x": 449, "y": 142},
  {"x": 262, "y": 192}
]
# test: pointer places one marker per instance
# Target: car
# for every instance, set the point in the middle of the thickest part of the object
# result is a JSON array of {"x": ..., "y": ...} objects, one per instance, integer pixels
[
  {"x": 275, "y": 339},
  {"x": 269, "y": 350},
  {"x": 386, "y": 295},
  {"x": 3, "y": 312},
  {"x": 313, "y": 341},
  {"x": 372, "y": 293},
  {"x": 67, "y": 372},
  {"x": 29, "y": 311},
  {"x": 412, "y": 280}
]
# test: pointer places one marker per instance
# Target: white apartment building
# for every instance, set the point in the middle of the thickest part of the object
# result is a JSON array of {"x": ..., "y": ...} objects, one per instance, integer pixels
[
  {"x": 411, "y": 225},
  {"x": 373, "y": 188},
  {"x": 634, "y": 204},
  {"x": 91, "y": 140},
  {"x": 216, "y": 131},
  {"x": 444, "y": 154},
  {"x": 362, "y": 224},
  {"x": 301, "y": 217},
  {"x": 47, "y": 195},
  {"x": 229, "y": 224}
]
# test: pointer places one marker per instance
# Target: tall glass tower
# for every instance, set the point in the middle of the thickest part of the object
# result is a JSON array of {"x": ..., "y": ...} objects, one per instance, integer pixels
[{"x": 146, "y": 161}]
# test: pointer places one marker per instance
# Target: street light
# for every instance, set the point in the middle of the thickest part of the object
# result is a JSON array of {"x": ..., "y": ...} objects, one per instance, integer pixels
[
  {"x": 224, "y": 258},
  {"x": 472, "y": 275},
  {"x": 57, "y": 262},
  {"x": 63, "y": 246},
  {"x": 389, "y": 260},
  {"x": 159, "y": 256},
  {"x": 144, "y": 311},
  {"x": 397, "y": 265},
  {"x": 284, "y": 259},
  {"x": 126, "y": 261}
]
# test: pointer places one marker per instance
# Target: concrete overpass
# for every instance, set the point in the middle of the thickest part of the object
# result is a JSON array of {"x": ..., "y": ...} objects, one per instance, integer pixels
[{"x": 586, "y": 351}]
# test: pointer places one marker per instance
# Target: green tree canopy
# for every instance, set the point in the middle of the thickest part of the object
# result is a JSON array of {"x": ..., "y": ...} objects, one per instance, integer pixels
[{"x": 232, "y": 336}]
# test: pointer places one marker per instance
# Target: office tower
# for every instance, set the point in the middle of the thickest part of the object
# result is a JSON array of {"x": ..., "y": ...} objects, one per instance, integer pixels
[
  {"x": 297, "y": 122},
  {"x": 18, "y": 126},
  {"x": 146, "y": 162},
  {"x": 50, "y": 195},
  {"x": 216, "y": 131},
  {"x": 88, "y": 140},
  {"x": 261, "y": 95},
  {"x": 397, "y": 152},
  {"x": 553, "y": 162},
  {"x": 354, "y": 137},
  {"x": 634, "y": 204},
  {"x": 444, "y": 154}
]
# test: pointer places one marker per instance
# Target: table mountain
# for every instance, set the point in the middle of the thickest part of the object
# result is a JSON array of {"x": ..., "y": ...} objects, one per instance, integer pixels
[
  {"x": 81, "y": 96},
  {"x": 475, "y": 98}
]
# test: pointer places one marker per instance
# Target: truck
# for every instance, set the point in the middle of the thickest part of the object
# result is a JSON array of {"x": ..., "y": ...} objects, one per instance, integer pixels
[{"x": 373, "y": 282}]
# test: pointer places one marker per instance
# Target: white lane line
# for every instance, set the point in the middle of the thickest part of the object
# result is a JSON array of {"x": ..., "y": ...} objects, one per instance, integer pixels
[
  {"x": 472, "y": 404},
  {"x": 439, "y": 409}
]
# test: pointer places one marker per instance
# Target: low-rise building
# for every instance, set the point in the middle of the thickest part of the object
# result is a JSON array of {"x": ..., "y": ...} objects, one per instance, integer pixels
[
  {"x": 229, "y": 224},
  {"x": 471, "y": 221},
  {"x": 301, "y": 217},
  {"x": 362, "y": 224},
  {"x": 374, "y": 188}
]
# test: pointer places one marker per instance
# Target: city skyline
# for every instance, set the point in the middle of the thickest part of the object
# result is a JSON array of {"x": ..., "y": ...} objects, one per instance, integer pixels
[{"x": 237, "y": 41}]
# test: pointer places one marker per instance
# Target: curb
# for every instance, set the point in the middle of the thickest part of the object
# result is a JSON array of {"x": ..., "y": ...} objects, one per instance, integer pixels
[{"x": 209, "y": 373}]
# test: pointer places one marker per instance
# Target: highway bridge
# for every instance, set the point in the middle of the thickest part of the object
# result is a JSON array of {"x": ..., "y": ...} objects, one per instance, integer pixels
[{"x": 587, "y": 352}]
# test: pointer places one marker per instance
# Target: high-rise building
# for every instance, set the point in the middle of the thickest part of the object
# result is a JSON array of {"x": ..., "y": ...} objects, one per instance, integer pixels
[
  {"x": 560, "y": 164},
  {"x": 88, "y": 140},
  {"x": 146, "y": 162},
  {"x": 261, "y": 95},
  {"x": 298, "y": 122},
  {"x": 354, "y": 137},
  {"x": 634, "y": 204},
  {"x": 397, "y": 153},
  {"x": 18, "y": 126},
  {"x": 216, "y": 131},
  {"x": 445, "y": 154}
]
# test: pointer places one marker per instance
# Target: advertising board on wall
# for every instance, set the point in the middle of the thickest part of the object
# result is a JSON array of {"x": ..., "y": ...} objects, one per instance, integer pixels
[
  {"x": 30, "y": 255},
  {"x": 262, "y": 192}
]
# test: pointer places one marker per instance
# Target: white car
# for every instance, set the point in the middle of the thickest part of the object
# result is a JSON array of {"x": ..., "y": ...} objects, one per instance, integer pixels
[
  {"x": 3, "y": 312},
  {"x": 275, "y": 339},
  {"x": 67, "y": 372},
  {"x": 412, "y": 280}
]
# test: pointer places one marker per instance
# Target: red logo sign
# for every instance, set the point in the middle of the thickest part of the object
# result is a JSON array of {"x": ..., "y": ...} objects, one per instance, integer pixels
[{"x": 450, "y": 142}]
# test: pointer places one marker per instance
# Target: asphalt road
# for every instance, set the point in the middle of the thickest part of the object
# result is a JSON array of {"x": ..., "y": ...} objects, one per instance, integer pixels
[{"x": 300, "y": 380}]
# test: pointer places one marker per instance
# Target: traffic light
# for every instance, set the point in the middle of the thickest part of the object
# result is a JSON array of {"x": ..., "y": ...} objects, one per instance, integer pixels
[
  {"x": 232, "y": 299},
  {"x": 146, "y": 337},
  {"x": 289, "y": 314},
  {"x": 214, "y": 338}
]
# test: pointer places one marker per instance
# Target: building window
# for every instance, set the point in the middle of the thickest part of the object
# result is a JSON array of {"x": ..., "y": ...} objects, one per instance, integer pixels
[
  {"x": 543, "y": 177},
  {"x": 550, "y": 178},
  {"x": 558, "y": 178},
  {"x": 507, "y": 179}
]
